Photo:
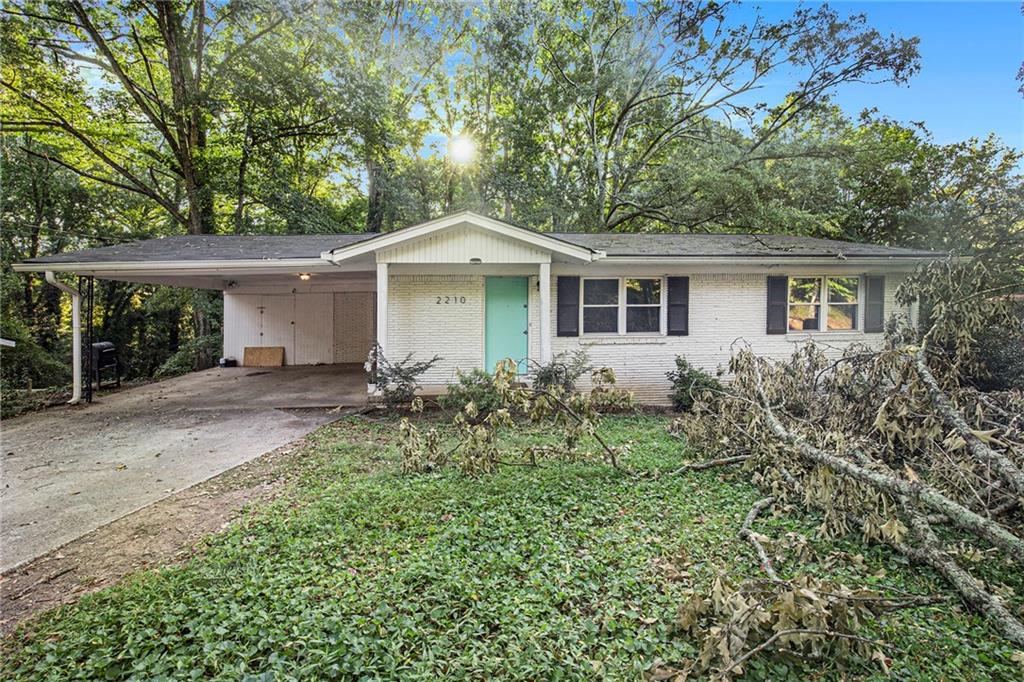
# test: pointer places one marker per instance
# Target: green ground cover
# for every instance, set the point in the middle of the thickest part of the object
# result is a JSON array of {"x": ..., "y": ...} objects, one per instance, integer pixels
[{"x": 551, "y": 573}]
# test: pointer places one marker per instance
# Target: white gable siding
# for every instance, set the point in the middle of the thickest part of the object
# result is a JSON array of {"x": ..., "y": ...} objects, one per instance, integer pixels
[
  {"x": 459, "y": 245},
  {"x": 725, "y": 309}
]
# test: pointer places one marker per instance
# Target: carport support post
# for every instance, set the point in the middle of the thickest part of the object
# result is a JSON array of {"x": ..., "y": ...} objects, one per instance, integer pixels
[
  {"x": 544, "y": 282},
  {"x": 76, "y": 336},
  {"x": 382, "y": 308}
]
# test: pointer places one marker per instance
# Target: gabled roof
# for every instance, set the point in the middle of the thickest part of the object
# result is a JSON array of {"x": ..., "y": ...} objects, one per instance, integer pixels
[
  {"x": 307, "y": 250},
  {"x": 542, "y": 240}
]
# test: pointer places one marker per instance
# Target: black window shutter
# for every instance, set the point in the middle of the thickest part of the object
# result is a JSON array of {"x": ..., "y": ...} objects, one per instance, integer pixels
[
  {"x": 568, "y": 306},
  {"x": 678, "y": 306},
  {"x": 778, "y": 297},
  {"x": 874, "y": 309}
]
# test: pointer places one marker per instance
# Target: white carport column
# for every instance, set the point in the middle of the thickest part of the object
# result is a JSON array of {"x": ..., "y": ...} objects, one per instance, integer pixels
[
  {"x": 76, "y": 336},
  {"x": 544, "y": 281},
  {"x": 382, "y": 308}
]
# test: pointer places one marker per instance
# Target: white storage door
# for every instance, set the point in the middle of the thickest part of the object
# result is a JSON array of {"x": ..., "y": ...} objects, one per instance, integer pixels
[
  {"x": 277, "y": 326},
  {"x": 241, "y": 324},
  {"x": 354, "y": 321},
  {"x": 314, "y": 329}
]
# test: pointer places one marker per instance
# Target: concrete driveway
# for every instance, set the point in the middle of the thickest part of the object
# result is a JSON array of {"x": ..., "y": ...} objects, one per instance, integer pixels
[{"x": 67, "y": 471}]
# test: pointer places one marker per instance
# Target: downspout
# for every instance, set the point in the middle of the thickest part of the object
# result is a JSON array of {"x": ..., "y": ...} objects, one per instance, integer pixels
[{"x": 76, "y": 335}]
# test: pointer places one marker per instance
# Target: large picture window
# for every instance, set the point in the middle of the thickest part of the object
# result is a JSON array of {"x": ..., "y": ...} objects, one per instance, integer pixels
[
  {"x": 834, "y": 299},
  {"x": 621, "y": 305}
]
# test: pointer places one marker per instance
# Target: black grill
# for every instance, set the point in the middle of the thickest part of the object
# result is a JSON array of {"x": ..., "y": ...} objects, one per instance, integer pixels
[{"x": 105, "y": 359}]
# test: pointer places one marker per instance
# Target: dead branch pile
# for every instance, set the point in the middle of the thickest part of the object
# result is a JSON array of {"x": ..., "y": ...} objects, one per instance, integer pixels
[{"x": 890, "y": 445}]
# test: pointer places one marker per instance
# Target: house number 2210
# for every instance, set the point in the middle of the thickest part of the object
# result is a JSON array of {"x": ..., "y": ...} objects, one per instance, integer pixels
[{"x": 448, "y": 300}]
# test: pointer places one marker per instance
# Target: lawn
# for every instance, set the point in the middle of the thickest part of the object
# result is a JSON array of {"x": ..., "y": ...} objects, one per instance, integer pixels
[{"x": 532, "y": 573}]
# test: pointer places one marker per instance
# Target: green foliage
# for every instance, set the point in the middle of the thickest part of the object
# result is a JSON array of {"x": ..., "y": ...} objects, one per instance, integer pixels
[
  {"x": 187, "y": 357},
  {"x": 569, "y": 572},
  {"x": 476, "y": 387},
  {"x": 397, "y": 381},
  {"x": 28, "y": 364},
  {"x": 502, "y": 394},
  {"x": 690, "y": 384},
  {"x": 1001, "y": 353},
  {"x": 564, "y": 370},
  {"x": 963, "y": 305}
]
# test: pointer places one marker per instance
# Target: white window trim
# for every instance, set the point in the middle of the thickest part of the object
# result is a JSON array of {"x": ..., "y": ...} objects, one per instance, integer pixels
[
  {"x": 622, "y": 306},
  {"x": 824, "y": 303}
]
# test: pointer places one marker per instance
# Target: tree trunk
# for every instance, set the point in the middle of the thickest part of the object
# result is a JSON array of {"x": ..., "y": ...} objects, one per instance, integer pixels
[
  {"x": 243, "y": 165},
  {"x": 374, "y": 195}
]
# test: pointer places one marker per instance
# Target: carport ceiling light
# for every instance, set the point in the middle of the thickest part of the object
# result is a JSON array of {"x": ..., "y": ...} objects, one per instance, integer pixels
[{"x": 304, "y": 276}]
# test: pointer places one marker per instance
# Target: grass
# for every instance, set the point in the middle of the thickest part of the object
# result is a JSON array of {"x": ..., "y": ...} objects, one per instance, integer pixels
[{"x": 550, "y": 573}]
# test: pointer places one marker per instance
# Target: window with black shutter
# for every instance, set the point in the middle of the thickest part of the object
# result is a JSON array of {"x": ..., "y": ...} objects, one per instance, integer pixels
[
  {"x": 778, "y": 303},
  {"x": 874, "y": 303},
  {"x": 568, "y": 319},
  {"x": 678, "y": 306}
]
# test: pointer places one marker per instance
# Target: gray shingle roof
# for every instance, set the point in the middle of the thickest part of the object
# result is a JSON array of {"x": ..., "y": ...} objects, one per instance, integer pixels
[
  {"x": 272, "y": 247},
  {"x": 210, "y": 247},
  {"x": 732, "y": 245}
]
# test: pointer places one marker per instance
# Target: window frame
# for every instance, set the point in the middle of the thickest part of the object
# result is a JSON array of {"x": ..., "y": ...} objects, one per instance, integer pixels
[
  {"x": 623, "y": 306},
  {"x": 823, "y": 304},
  {"x": 857, "y": 305},
  {"x": 617, "y": 305}
]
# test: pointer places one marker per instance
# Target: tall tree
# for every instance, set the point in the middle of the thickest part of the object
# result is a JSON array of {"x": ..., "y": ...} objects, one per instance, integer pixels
[
  {"x": 142, "y": 126},
  {"x": 642, "y": 80}
]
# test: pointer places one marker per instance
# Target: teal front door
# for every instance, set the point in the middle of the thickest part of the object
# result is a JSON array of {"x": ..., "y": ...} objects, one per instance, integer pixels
[{"x": 506, "y": 321}]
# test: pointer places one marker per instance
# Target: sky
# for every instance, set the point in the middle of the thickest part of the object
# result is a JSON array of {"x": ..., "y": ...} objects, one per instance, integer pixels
[{"x": 970, "y": 53}]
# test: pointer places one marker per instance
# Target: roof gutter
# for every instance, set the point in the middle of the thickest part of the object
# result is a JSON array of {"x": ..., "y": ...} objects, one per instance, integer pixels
[
  {"x": 218, "y": 265},
  {"x": 772, "y": 260},
  {"x": 76, "y": 333}
]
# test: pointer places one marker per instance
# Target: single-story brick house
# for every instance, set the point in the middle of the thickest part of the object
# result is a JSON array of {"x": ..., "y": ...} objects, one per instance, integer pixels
[{"x": 474, "y": 290}]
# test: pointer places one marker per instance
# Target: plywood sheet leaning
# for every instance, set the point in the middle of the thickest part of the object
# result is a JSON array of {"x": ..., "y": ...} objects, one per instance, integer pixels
[{"x": 263, "y": 356}]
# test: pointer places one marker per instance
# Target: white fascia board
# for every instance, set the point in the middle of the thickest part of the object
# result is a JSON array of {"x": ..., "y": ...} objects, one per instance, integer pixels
[{"x": 521, "y": 234}]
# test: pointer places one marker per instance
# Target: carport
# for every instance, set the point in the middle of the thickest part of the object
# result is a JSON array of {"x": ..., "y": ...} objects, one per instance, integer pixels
[{"x": 278, "y": 291}]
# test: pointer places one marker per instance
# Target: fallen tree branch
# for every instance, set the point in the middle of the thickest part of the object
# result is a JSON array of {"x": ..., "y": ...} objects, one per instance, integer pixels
[
  {"x": 723, "y": 674},
  {"x": 999, "y": 462},
  {"x": 958, "y": 514},
  {"x": 750, "y": 536},
  {"x": 711, "y": 464},
  {"x": 973, "y": 592}
]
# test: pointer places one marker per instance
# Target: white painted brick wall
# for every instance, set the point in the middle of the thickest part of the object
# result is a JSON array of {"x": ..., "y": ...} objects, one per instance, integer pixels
[
  {"x": 725, "y": 309},
  {"x": 418, "y": 324}
]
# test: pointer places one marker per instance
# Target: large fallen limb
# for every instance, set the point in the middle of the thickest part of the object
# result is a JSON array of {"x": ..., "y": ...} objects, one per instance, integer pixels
[
  {"x": 928, "y": 550},
  {"x": 981, "y": 452},
  {"x": 959, "y": 515}
]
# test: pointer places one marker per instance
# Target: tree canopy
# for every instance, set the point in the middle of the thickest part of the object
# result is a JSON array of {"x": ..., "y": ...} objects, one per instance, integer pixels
[{"x": 132, "y": 118}]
